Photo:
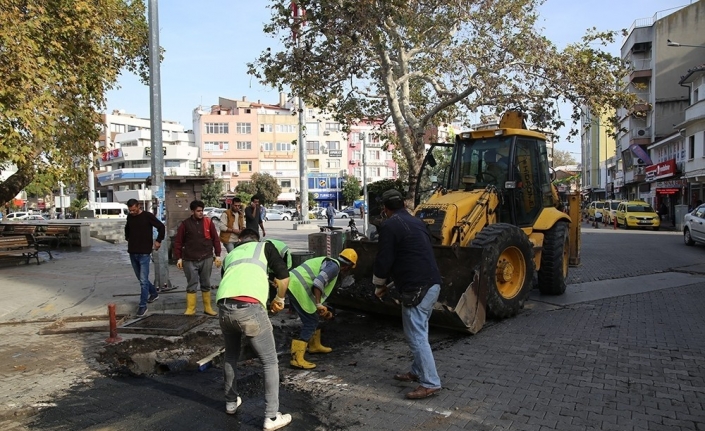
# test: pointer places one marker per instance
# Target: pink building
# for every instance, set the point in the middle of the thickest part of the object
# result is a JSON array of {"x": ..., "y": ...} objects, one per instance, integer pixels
[{"x": 380, "y": 164}]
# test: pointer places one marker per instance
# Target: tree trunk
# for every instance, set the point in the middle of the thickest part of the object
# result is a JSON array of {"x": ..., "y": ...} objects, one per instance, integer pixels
[
  {"x": 415, "y": 163},
  {"x": 16, "y": 183}
]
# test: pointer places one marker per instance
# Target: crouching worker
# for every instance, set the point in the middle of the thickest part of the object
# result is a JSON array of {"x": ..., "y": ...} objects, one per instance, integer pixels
[
  {"x": 311, "y": 283},
  {"x": 242, "y": 298}
]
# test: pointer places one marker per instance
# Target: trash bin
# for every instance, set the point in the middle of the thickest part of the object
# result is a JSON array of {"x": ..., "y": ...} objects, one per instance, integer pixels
[{"x": 299, "y": 257}]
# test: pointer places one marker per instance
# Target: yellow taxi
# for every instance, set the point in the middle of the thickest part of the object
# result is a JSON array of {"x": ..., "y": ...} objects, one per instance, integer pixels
[
  {"x": 632, "y": 214},
  {"x": 595, "y": 210},
  {"x": 610, "y": 211}
]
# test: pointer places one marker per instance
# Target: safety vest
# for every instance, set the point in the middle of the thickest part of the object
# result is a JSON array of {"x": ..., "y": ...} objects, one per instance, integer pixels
[
  {"x": 245, "y": 273},
  {"x": 301, "y": 283},
  {"x": 283, "y": 250}
]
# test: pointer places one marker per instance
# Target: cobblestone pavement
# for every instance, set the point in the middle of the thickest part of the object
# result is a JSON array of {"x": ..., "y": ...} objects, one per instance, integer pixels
[{"x": 634, "y": 362}]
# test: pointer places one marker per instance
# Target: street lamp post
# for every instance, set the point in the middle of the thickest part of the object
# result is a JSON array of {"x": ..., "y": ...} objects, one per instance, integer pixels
[{"x": 678, "y": 45}]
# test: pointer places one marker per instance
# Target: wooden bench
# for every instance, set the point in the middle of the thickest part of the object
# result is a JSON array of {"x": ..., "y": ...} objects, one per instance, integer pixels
[
  {"x": 56, "y": 235},
  {"x": 19, "y": 229},
  {"x": 20, "y": 245}
]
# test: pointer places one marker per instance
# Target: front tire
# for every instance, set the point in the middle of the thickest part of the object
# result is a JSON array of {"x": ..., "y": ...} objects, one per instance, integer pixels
[
  {"x": 554, "y": 260},
  {"x": 507, "y": 268},
  {"x": 687, "y": 238},
  {"x": 285, "y": 218}
]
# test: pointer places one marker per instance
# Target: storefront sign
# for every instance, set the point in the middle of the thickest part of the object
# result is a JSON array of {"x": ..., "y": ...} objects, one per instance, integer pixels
[
  {"x": 110, "y": 155},
  {"x": 661, "y": 170},
  {"x": 335, "y": 153},
  {"x": 671, "y": 184},
  {"x": 668, "y": 191}
]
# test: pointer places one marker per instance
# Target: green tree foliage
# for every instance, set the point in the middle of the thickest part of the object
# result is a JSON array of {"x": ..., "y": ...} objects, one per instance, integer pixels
[
  {"x": 263, "y": 185},
  {"x": 420, "y": 63},
  {"x": 77, "y": 205},
  {"x": 212, "y": 193},
  {"x": 351, "y": 189},
  {"x": 58, "y": 60}
]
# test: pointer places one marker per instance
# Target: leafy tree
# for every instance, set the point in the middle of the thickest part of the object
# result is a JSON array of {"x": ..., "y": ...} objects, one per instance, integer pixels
[
  {"x": 77, "y": 205},
  {"x": 351, "y": 189},
  {"x": 264, "y": 185},
  {"x": 563, "y": 158},
  {"x": 211, "y": 193},
  {"x": 419, "y": 63},
  {"x": 58, "y": 61}
]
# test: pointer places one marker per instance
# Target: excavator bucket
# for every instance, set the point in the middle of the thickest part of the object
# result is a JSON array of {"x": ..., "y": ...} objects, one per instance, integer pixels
[{"x": 460, "y": 306}]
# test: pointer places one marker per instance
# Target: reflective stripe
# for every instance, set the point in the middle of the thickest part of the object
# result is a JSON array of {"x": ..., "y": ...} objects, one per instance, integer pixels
[
  {"x": 299, "y": 277},
  {"x": 258, "y": 250}
]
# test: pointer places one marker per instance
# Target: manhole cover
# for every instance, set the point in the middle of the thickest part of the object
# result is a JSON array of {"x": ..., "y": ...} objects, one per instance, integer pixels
[{"x": 162, "y": 324}]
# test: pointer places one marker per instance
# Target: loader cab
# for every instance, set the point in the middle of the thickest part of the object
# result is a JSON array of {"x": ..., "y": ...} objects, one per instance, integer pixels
[{"x": 513, "y": 161}]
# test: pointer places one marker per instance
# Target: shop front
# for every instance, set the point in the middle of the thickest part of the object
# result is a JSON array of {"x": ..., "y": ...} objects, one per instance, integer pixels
[{"x": 670, "y": 190}]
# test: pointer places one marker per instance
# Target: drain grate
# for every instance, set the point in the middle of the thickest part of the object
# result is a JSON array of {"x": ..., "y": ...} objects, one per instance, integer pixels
[{"x": 162, "y": 324}]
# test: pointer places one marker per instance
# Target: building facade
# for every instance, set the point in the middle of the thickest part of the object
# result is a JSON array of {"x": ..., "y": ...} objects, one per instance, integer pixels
[{"x": 598, "y": 155}]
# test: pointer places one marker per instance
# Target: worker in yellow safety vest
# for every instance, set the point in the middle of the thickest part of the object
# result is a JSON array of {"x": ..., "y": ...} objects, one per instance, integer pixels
[{"x": 309, "y": 285}]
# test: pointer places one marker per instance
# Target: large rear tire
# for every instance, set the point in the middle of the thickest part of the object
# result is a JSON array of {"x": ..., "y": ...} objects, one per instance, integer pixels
[
  {"x": 554, "y": 260},
  {"x": 507, "y": 268}
]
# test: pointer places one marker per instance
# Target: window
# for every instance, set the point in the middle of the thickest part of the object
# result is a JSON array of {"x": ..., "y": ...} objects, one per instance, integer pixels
[
  {"x": 244, "y": 128},
  {"x": 284, "y": 165},
  {"x": 333, "y": 127},
  {"x": 140, "y": 164},
  {"x": 117, "y": 128},
  {"x": 357, "y": 172},
  {"x": 244, "y": 145},
  {"x": 312, "y": 129},
  {"x": 333, "y": 163},
  {"x": 172, "y": 164},
  {"x": 266, "y": 128},
  {"x": 691, "y": 147},
  {"x": 244, "y": 166},
  {"x": 356, "y": 155},
  {"x": 217, "y": 128},
  {"x": 194, "y": 165},
  {"x": 216, "y": 146},
  {"x": 283, "y": 146},
  {"x": 285, "y": 184},
  {"x": 267, "y": 146},
  {"x": 286, "y": 128},
  {"x": 266, "y": 165},
  {"x": 219, "y": 166},
  {"x": 333, "y": 145},
  {"x": 312, "y": 147}
]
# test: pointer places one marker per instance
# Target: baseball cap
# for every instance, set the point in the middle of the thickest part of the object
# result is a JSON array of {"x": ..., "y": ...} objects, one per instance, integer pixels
[{"x": 391, "y": 195}]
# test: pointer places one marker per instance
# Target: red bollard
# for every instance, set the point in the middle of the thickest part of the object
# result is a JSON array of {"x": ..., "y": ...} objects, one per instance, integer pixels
[
  {"x": 113, "y": 326},
  {"x": 615, "y": 223}
]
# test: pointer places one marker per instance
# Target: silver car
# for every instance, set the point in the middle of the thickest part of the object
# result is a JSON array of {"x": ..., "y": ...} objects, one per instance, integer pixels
[
  {"x": 273, "y": 214},
  {"x": 694, "y": 226}
]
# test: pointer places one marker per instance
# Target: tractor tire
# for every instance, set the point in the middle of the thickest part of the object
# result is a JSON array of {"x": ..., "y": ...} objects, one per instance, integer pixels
[
  {"x": 554, "y": 260},
  {"x": 507, "y": 268}
]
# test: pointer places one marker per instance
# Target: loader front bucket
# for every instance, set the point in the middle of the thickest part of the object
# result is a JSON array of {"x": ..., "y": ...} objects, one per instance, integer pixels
[{"x": 460, "y": 305}]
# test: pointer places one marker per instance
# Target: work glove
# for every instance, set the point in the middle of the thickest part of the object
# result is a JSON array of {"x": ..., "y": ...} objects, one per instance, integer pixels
[
  {"x": 324, "y": 312},
  {"x": 180, "y": 264},
  {"x": 218, "y": 262},
  {"x": 277, "y": 305}
]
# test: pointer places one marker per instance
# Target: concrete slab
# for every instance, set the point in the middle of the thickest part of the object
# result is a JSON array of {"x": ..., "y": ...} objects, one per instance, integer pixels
[{"x": 594, "y": 290}]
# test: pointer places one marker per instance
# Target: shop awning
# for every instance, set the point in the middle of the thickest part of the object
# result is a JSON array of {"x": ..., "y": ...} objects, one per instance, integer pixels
[{"x": 286, "y": 197}]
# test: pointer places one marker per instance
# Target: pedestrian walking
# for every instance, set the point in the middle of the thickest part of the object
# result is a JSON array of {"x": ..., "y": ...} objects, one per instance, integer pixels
[
  {"x": 330, "y": 214},
  {"x": 405, "y": 253},
  {"x": 139, "y": 229},
  {"x": 310, "y": 285},
  {"x": 253, "y": 216},
  {"x": 242, "y": 299},
  {"x": 195, "y": 246},
  {"x": 230, "y": 223}
]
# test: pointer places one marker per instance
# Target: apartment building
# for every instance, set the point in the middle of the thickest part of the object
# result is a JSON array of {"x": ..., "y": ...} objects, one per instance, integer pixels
[
  {"x": 692, "y": 129},
  {"x": 123, "y": 155},
  {"x": 598, "y": 155},
  {"x": 651, "y": 152},
  {"x": 367, "y": 136},
  {"x": 277, "y": 139}
]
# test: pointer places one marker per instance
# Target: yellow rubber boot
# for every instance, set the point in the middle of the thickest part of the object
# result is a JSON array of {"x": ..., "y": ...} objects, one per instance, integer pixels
[
  {"x": 207, "y": 304},
  {"x": 315, "y": 346},
  {"x": 190, "y": 304},
  {"x": 298, "y": 348}
]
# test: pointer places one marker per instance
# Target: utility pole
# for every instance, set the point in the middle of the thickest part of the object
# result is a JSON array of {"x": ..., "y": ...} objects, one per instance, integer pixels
[
  {"x": 364, "y": 184},
  {"x": 303, "y": 169},
  {"x": 161, "y": 257}
]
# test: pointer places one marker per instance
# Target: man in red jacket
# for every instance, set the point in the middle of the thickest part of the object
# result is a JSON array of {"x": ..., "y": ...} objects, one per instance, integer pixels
[{"x": 196, "y": 246}]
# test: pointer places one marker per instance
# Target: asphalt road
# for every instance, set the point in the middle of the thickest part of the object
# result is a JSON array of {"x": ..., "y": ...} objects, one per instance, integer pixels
[{"x": 624, "y": 362}]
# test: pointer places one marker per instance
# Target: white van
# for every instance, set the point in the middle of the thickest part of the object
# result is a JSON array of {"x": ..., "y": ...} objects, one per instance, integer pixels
[{"x": 109, "y": 210}]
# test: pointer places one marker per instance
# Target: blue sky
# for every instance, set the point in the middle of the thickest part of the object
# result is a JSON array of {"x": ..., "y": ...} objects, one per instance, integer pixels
[{"x": 208, "y": 46}]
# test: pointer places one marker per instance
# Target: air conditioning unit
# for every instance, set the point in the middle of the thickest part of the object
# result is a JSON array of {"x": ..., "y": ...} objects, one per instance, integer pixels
[
  {"x": 641, "y": 132},
  {"x": 326, "y": 133},
  {"x": 639, "y": 162},
  {"x": 323, "y": 149},
  {"x": 352, "y": 162},
  {"x": 353, "y": 144},
  {"x": 236, "y": 173}
]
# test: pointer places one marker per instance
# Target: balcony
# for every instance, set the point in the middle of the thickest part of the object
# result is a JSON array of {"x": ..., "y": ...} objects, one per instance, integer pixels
[
  {"x": 694, "y": 113},
  {"x": 278, "y": 154},
  {"x": 641, "y": 69}
]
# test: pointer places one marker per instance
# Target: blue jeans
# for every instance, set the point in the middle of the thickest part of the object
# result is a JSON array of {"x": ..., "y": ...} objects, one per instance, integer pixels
[
  {"x": 309, "y": 322},
  {"x": 415, "y": 320},
  {"x": 140, "y": 263},
  {"x": 253, "y": 322},
  {"x": 330, "y": 221}
]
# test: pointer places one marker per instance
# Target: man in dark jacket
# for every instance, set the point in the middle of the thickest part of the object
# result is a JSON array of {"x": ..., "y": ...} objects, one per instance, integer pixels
[
  {"x": 196, "y": 245},
  {"x": 405, "y": 253},
  {"x": 138, "y": 233}
]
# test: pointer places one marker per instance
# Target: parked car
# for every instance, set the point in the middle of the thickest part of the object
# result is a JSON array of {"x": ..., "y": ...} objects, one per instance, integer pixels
[
  {"x": 610, "y": 210},
  {"x": 694, "y": 226},
  {"x": 351, "y": 211},
  {"x": 284, "y": 209},
  {"x": 19, "y": 215},
  {"x": 216, "y": 213},
  {"x": 318, "y": 212},
  {"x": 37, "y": 217},
  {"x": 637, "y": 214},
  {"x": 273, "y": 214},
  {"x": 595, "y": 210}
]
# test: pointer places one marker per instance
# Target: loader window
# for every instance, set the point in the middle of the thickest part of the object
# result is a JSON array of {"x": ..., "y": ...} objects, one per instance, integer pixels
[
  {"x": 486, "y": 160},
  {"x": 528, "y": 194}
]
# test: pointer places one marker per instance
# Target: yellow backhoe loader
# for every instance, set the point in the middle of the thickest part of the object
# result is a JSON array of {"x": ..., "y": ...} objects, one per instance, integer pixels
[{"x": 496, "y": 223}]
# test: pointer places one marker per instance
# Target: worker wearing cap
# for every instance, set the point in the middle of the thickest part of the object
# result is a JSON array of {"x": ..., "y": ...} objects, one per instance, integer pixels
[
  {"x": 309, "y": 285},
  {"x": 406, "y": 255}
]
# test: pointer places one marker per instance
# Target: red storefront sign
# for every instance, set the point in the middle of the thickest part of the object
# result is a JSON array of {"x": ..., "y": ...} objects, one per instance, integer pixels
[{"x": 661, "y": 170}]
